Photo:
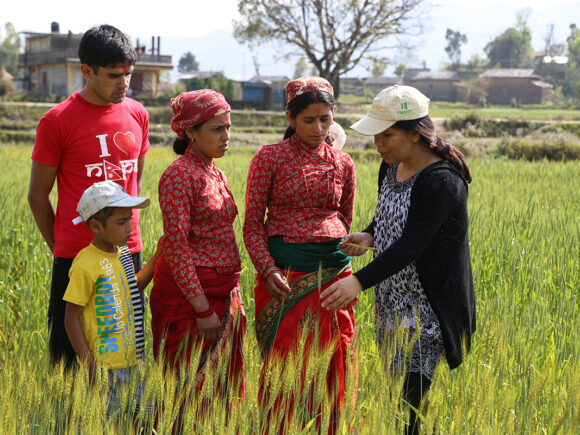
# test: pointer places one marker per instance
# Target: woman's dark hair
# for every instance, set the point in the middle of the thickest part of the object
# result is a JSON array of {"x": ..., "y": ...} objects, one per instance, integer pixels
[
  {"x": 425, "y": 128},
  {"x": 180, "y": 145},
  {"x": 105, "y": 45},
  {"x": 301, "y": 102}
]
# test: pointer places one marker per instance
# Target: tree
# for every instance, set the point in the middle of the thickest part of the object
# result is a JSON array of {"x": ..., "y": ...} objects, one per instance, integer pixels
[
  {"x": 216, "y": 81},
  {"x": 301, "y": 68},
  {"x": 400, "y": 70},
  {"x": 10, "y": 49},
  {"x": 513, "y": 48},
  {"x": 574, "y": 44},
  {"x": 334, "y": 35},
  {"x": 453, "y": 48},
  {"x": 573, "y": 69},
  {"x": 187, "y": 63},
  {"x": 378, "y": 67},
  {"x": 551, "y": 47},
  {"x": 476, "y": 64}
]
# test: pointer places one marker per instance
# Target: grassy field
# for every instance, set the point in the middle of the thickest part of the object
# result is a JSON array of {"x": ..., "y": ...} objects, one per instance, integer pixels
[{"x": 522, "y": 376}]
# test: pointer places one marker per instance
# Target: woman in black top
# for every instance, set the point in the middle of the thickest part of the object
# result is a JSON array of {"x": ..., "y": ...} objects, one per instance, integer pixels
[{"x": 422, "y": 267}]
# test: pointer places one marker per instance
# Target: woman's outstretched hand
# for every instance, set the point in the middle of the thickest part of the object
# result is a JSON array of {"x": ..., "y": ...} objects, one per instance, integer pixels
[
  {"x": 209, "y": 327},
  {"x": 363, "y": 240},
  {"x": 276, "y": 285},
  {"x": 341, "y": 293}
]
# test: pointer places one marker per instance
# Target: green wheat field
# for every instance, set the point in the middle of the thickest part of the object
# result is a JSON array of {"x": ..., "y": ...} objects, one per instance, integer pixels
[{"x": 522, "y": 375}]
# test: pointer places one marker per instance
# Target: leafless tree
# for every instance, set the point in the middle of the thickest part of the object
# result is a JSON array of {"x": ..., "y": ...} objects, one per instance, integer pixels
[{"x": 334, "y": 35}]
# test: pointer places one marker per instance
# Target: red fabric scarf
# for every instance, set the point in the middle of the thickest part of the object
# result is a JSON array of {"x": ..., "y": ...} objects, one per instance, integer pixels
[{"x": 173, "y": 319}]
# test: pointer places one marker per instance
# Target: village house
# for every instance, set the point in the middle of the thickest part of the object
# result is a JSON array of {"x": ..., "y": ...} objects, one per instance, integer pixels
[
  {"x": 52, "y": 65},
  {"x": 267, "y": 91},
  {"x": 377, "y": 84},
  {"x": 438, "y": 86},
  {"x": 504, "y": 86}
]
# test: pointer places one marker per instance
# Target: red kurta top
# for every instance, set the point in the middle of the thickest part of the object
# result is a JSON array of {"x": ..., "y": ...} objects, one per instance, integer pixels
[
  {"x": 309, "y": 195},
  {"x": 198, "y": 214}
]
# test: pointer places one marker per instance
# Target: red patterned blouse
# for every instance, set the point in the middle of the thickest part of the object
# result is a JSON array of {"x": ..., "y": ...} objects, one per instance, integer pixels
[
  {"x": 198, "y": 214},
  {"x": 309, "y": 195}
]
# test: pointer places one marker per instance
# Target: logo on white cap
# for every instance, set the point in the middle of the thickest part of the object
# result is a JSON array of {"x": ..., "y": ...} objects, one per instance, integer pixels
[{"x": 392, "y": 104}]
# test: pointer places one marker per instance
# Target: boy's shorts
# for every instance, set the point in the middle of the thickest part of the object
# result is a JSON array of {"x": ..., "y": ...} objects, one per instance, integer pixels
[{"x": 125, "y": 378}]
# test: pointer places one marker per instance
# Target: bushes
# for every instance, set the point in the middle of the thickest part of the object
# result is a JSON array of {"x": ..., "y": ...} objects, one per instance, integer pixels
[
  {"x": 472, "y": 125},
  {"x": 17, "y": 137},
  {"x": 569, "y": 127},
  {"x": 531, "y": 149},
  {"x": 23, "y": 112}
]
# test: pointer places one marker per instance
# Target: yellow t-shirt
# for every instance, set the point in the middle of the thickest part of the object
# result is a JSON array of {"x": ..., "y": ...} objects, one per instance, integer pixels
[{"x": 99, "y": 284}]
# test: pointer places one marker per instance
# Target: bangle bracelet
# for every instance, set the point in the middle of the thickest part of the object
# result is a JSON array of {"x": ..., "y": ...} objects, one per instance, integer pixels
[
  {"x": 269, "y": 272},
  {"x": 204, "y": 314}
]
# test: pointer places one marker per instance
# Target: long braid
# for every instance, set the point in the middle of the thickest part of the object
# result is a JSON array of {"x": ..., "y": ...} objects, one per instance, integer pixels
[{"x": 424, "y": 127}]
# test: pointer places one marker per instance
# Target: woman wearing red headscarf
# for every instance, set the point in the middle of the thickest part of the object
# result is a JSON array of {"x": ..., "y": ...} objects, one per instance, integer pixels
[
  {"x": 195, "y": 300},
  {"x": 306, "y": 188}
]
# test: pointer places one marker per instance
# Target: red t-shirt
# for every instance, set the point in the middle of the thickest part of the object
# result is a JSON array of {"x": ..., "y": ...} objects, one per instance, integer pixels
[{"x": 89, "y": 143}]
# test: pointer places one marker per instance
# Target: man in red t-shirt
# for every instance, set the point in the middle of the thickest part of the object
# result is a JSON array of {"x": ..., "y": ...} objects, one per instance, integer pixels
[{"x": 96, "y": 134}]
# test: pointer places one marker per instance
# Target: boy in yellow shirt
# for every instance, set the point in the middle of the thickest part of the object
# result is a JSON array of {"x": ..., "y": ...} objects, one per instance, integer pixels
[{"x": 104, "y": 314}]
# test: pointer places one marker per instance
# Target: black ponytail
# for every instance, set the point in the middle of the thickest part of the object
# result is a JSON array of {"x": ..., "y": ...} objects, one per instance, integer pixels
[
  {"x": 425, "y": 128},
  {"x": 180, "y": 145}
]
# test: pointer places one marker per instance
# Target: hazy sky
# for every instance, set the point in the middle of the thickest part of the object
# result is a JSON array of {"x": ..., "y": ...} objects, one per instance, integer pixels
[{"x": 481, "y": 20}]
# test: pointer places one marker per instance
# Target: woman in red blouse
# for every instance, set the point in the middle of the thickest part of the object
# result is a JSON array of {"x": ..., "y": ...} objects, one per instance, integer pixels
[
  {"x": 195, "y": 299},
  {"x": 299, "y": 205}
]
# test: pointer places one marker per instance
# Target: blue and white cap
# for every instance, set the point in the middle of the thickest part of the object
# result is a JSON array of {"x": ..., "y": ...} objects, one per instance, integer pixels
[{"x": 106, "y": 194}]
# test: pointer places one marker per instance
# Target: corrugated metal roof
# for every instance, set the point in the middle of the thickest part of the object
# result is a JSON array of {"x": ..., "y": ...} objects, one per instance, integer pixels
[
  {"x": 509, "y": 73},
  {"x": 542, "y": 84},
  {"x": 435, "y": 75},
  {"x": 384, "y": 81}
]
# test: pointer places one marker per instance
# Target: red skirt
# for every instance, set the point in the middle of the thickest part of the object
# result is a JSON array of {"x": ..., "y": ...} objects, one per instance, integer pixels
[
  {"x": 280, "y": 324},
  {"x": 175, "y": 330}
]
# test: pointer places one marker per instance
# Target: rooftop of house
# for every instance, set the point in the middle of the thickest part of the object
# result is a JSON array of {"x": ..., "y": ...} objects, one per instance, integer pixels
[
  {"x": 541, "y": 84},
  {"x": 269, "y": 79},
  {"x": 509, "y": 73},
  {"x": 383, "y": 80},
  {"x": 435, "y": 75}
]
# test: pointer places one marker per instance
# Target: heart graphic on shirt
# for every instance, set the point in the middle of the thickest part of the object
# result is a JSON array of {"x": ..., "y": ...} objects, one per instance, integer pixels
[{"x": 125, "y": 141}]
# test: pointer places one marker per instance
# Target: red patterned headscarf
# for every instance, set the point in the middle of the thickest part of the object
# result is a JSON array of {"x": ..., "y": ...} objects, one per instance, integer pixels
[
  {"x": 306, "y": 84},
  {"x": 193, "y": 108}
]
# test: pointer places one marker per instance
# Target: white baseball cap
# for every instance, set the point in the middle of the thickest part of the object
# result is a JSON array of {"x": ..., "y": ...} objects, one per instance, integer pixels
[
  {"x": 392, "y": 104},
  {"x": 106, "y": 194}
]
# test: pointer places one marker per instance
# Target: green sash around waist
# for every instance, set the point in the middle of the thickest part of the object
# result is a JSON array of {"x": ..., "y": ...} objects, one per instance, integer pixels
[{"x": 307, "y": 257}]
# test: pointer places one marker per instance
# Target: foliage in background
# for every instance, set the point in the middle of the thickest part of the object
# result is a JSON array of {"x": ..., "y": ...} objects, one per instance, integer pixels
[
  {"x": 187, "y": 63},
  {"x": 559, "y": 148},
  {"x": 216, "y": 81},
  {"x": 10, "y": 44},
  {"x": 474, "y": 125},
  {"x": 453, "y": 48},
  {"x": 513, "y": 48},
  {"x": 9, "y": 52}
]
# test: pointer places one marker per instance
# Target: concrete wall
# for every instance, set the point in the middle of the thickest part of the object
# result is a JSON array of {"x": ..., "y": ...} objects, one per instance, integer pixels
[
  {"x": 437, "y": 90},
  {"x": 504, "y": 90}
]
